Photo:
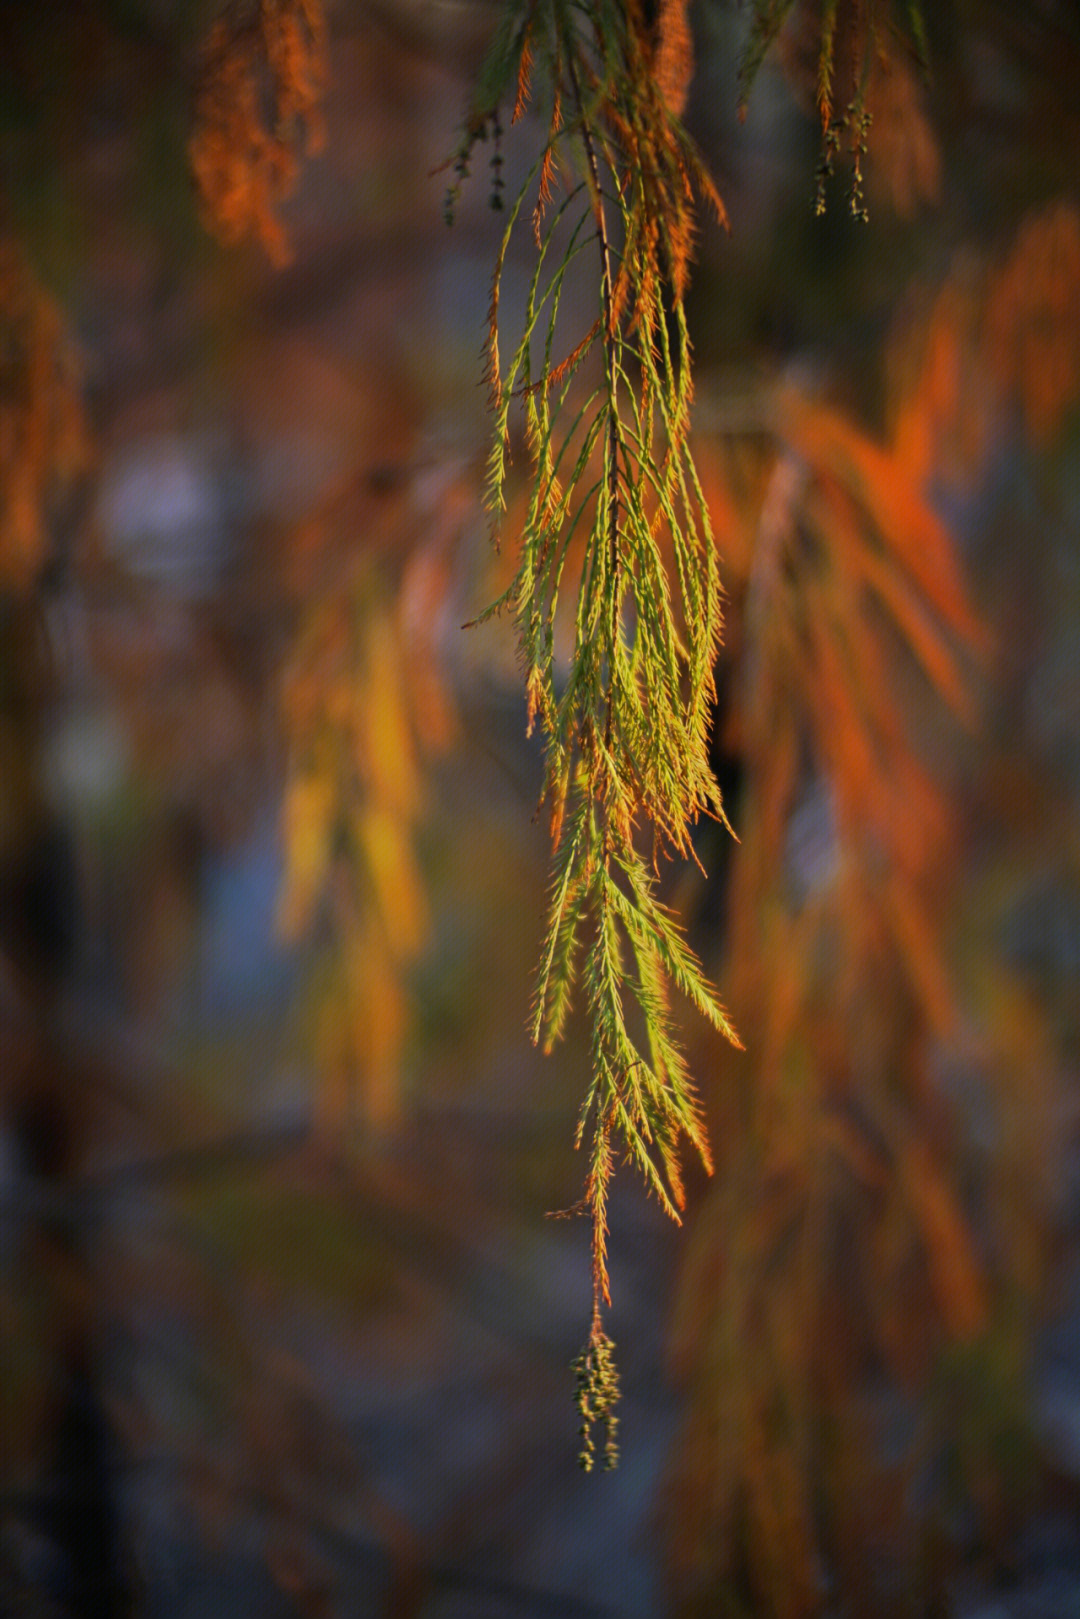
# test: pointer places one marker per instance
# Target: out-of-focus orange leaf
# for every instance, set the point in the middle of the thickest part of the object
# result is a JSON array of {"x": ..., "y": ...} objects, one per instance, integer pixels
[
  {"x": 1033, "y": 317},
  {"x": 672, "y": 52},
  {"x": 944, "y": 403},
  {"x": 353, "y": 809},
  {"x": 398, "y": 888},
  {"x": 900, "y": 515},
  {"x": 921, "y": 948},
  {"x": 907, "y": 606},
  {"x": 845, "y": 747},
  {"x": 262, "y": 77},
  {"x": 955, "y": 1273},
  {"x": 996, "y": 335},
  {"x": 362, "y": 1022},
  {"x": 43, "y": 438},
  {"x": 862, "y": 1156},
  {"x": 780, "y": 1527},
  {"x": 310, "y": 809},
  {"x": 426, "y": 589},
  {"x": 904, "y": 152},
  {"x": 387, "y": 752}
]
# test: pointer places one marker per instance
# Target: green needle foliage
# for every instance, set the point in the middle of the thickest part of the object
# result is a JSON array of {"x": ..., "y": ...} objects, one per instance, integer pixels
[{"x": 617, "y": 514}]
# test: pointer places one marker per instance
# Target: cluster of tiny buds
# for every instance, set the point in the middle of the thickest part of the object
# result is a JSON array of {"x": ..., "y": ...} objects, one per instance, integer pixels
[
  {"x": 830, "y": 147},
  {"x": 856, "y": 122},
  {"x": 859, "y": 120},
  {"x": 596, "y": 1395}
]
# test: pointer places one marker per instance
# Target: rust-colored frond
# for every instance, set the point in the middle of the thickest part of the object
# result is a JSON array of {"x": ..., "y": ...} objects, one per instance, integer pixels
[
  {"x": 908, "y": 531},
  {"x": 661, "y": 168},
  {"x": 998, "y": 339},
  {"x": 955, "y": 1273},
  {"x": 257, "y": 112},
  {"x": 1033, "y": 318},
  {"x": 364, "y": 702},
  {"x": 945, "y": 403},
  {"x": 546, "y": 187},
  {"x": 521, "y": 97},
  {"x": 669, "y": 47},
  {"x": 558, "y": 374},
  {"x": 43, "y": 443}
]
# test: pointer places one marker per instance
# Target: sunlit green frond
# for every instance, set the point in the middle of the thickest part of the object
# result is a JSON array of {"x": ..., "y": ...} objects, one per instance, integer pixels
[{"x": 615, "y": 543}]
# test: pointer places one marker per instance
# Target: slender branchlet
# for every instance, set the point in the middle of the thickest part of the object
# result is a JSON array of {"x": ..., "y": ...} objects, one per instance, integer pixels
[{"x": 616, "y": 596}]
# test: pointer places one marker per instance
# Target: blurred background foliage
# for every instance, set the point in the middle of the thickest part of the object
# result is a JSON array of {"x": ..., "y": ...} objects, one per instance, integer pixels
[{"x": 284, "y": 1327}]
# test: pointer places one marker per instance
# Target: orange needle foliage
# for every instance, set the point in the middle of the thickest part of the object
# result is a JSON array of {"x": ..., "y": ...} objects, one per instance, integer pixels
[
  {"x": 841, "y": 1234},
  {"x": 256, "y": 112},
  {"x": 43, "y": 439}
]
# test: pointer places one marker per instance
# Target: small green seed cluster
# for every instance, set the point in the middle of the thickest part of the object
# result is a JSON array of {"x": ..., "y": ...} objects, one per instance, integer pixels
[{"x": 597, "y": 1393}]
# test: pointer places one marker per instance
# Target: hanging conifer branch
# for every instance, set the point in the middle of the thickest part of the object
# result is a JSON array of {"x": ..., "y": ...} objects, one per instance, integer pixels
[
  {"x": 614, "y": 488},
  {"x": 851, "y": 40}
]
